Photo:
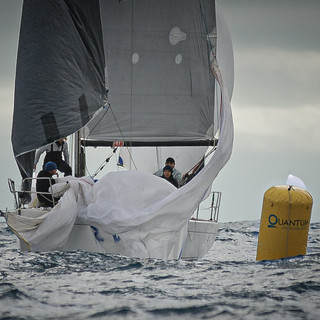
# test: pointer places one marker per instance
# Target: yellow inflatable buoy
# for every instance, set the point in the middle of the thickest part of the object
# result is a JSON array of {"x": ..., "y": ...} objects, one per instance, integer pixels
[{"x": 285, "y": 222}]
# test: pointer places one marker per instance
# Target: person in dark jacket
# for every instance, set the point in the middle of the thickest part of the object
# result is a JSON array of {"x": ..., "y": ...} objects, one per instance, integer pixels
[
  {"x": 43, "y": 184},
  {"x": 177, "y": 175},
  {"x": 167, "y": 174},
  {"x": 54, "y": 153}
]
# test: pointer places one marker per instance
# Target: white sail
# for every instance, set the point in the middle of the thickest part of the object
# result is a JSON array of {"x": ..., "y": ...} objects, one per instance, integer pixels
[
  {"x": 155, "y": 97},
  {"x": 295, "y": 181}
]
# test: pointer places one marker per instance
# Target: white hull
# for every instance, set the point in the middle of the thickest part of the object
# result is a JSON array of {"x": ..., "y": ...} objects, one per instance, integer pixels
[
  {"x": 200, "y": 238},
  {"x": 65, "y": 233}
]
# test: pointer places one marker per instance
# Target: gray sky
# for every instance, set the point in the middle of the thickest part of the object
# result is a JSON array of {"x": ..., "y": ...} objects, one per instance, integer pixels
[{"x": 275, "y": 102}]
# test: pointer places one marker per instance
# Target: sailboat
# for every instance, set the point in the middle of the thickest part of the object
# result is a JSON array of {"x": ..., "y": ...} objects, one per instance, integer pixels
[{"x": 147, "y": 78}]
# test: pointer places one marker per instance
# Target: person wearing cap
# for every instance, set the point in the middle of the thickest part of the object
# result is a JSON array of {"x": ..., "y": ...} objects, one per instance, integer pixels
[
  {"x": 43, "y": 184},
  {"x": 167, "y": 174},
  {"x": 54, "y": 153},
  {"x": 177, "y": 175}
]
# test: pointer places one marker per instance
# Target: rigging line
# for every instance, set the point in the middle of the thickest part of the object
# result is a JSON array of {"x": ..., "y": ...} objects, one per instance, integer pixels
[
  {"x": 124, "y": 141},
  {"x": 119, "y": 128},
  {"x": 195, "y": 169},
  {"x": 211, "y": 67},
  {"x": 106, "y": 111},
  {"x": 88, "y": 171},
  {"x": 211, "y": 151},
  {"x": 101, "y": 167},
  {"x": 71, "y": 153},
  {"x": 210, "y": 44},
  {"x": 158, "y": 155},
  {"x": 202, "y": 14},
  {"x": 214, "y": 66},
  {"x": 131, "y": 79},
  {"x": 289, "y": 215},
  {"x": 19, "y": 236},
  {"x": 84, "y": 141},
  {"x": 206, "y": 26},
  {"x": 204, "y": 157}
]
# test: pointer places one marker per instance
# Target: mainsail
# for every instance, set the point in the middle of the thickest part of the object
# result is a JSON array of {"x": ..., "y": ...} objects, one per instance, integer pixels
[
  {"x": 60, "y": 81},
  {"x": 161, "y": 89}
]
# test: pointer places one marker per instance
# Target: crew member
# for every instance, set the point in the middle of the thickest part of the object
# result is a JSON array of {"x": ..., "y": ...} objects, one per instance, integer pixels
[
  {"x": 54, "y": 153},
  {"x": 177, "y": 175},
  {"x": 44, "y": 182},
  {"x": 167, "y": 174}
]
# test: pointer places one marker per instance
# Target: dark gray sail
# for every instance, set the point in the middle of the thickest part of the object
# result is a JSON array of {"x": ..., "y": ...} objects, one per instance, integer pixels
[
  {"x": 161, "y": 89},
  {"x": 60, "y": 80}
]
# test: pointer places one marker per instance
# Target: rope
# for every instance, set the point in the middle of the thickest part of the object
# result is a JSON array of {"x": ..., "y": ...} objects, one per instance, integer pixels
[
  {"x": 101, "y": 167},
  {"x": 20, "y": 237},
  {"x": 108, "y": 106},
  {"x": 289, "y": 214},
  {"x": 125, "y": 143},
  {"x": 195, "y": 169}
]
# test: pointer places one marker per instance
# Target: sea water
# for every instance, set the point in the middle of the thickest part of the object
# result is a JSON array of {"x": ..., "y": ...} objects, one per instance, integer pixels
[{"x": 226, "y": 284}]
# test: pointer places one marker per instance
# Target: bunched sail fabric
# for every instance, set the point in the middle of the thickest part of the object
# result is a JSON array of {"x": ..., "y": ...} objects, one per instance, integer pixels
[
  {"x": 60, "y": 81},
  {"x": 161, "y": 90}
]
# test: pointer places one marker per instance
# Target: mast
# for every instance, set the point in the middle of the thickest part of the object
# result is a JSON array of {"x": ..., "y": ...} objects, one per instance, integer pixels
[{"x": 79, "y": 156}]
